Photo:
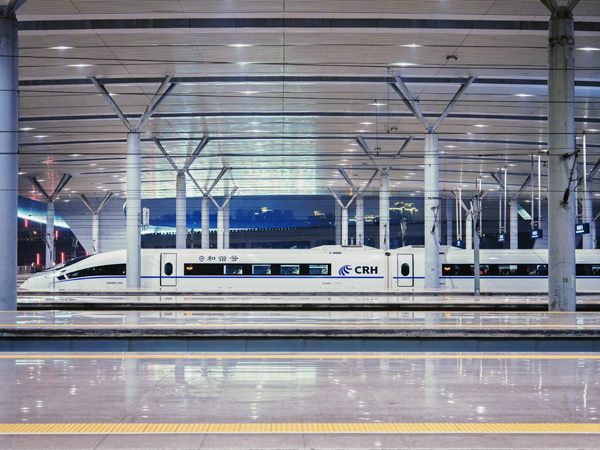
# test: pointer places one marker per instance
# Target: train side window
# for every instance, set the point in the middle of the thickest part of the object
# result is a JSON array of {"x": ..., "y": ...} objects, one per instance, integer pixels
[
  {"x": 587, "y": 270},
  {"x": 233, "y": 269},
  {"x": 261, "y": 269},
  {"x": 405, "y": 270},
  {"x": 290, "y": 269},
  {"x": 318, "y": 269},
  {"x": 168, "y": 269}
]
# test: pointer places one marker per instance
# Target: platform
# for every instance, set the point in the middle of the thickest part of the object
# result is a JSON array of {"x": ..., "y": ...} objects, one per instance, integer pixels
[
  {"x": 299, "y": 401},
  {"x": 296, "y": 303},
  {"x": 300, "y": 331}
]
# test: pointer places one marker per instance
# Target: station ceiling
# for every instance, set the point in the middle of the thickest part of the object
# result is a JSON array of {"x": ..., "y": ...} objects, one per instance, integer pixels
[{"x": 282, "y": 89}]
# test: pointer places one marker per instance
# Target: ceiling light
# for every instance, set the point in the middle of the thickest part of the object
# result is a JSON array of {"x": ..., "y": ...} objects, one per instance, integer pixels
[
  {"x": 40, "y": 136},
  {"x": 93, "y": 164},
  {"x": 244, "y": 63},
  {"x": 589, "y": 49},
  {"x": 75, "y": 154},
  {"x": 361, "y": 131},
  {"x": 411, "y": 45},
  {"x": 403, "y": 64},
  {"x": 26, "y": 129},
  {"x": 366, "y": 123},
  {"x": 61, "y": 47},
  {"x": 21, "y": 173},
  {"x": 240, "y": 45},
  {"x": 523, "y": 95},
  {"x": 450, "y": 146},
  {"x": 248, "y": 92},
  {"x": 592, "y": 130},
  {"x": 79, "y": 65},
  {"x": 41, "y": 180},
  {"x": 480, "y": 126},
  {"x": 376, "y": 103}
]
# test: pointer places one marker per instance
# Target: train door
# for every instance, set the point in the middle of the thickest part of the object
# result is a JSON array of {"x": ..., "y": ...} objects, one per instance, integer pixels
[
  {"x": 168, "y": 269},
  {"x": 406, "y": 277}
]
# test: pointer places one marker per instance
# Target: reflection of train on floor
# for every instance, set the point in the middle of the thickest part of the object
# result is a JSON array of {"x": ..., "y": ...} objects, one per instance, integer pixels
[{"x": 323, "y": 269}]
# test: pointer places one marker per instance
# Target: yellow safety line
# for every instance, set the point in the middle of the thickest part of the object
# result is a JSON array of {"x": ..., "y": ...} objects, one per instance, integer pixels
[
  {"x": 280, "y": 428},
  {"x": 256, "y": 356}
]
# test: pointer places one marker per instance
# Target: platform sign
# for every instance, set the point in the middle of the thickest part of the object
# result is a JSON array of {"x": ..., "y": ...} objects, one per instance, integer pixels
[
  {"x": 536, "y": 233},
  {"x": 460, "y": 243},
  {"x": 502, "y": 237},
  {"x": 582, "y": 228}
]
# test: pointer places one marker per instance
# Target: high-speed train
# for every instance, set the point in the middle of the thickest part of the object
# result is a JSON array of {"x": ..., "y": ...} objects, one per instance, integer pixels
[{"x": 326, "y": 269}]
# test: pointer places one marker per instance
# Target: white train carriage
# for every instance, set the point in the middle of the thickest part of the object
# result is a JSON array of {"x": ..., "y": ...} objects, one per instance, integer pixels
[{"x": 331, "y": 269}]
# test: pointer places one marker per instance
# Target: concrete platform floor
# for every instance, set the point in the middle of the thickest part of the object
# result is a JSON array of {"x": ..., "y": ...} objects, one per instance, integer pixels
[{"x": 299, "y": 401}]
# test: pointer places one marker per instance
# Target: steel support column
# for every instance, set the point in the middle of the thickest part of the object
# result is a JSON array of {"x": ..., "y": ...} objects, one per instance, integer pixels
[
  {"x": 9, "y": 118},
  {"x": 338, "y": 224},
  {"x": 134, "y": 210},
  {"x": 205, "y": 223},
  {"x": 561, "y": 156},
  {"x": 49, "y": 239},
  {"x": 432, "y": 207},
  {"x": 449, "y": 221},
  {"x": 226, "y": 226},
  {"x": 469, "y": 231},
  {"x": 220, "y": 229},
  {"x": 360, "y": 220},
  {"x": 180, "y": 211},
  {"x": 95, "y": 233},
  {"x": 514, "y": 225},
  {"x": 384, "y": 211},
  {"x": 588, "y": 217}
]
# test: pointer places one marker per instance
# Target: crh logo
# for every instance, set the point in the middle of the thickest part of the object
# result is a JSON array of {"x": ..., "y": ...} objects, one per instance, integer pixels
[
  {"x": 345, "y": 271},
  {"x": 359, "y": 270}
]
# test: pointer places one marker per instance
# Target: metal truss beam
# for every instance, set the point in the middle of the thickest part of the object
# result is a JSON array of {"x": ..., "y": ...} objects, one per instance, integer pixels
[{"x": 453, "y": 102}]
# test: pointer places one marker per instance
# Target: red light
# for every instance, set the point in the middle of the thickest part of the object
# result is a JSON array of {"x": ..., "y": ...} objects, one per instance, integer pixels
[
  {"x": 62, "y": 257},
  {"x": 87, "y": 254},
  {"x": 56, "y": 234},
  {"x": 26, "y": 223},
  {"x": 37, "y": 259}
]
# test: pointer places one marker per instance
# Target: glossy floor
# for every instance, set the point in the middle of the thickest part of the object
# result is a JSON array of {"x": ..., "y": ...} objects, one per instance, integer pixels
[{"x": 406, "y": 401}]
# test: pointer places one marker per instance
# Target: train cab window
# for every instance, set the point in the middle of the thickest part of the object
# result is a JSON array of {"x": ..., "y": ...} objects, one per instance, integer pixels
[
  {"x": 233, "y": 269},
  {"x": 318, "y": 269},
  {"x": 261, "y": 269},
  {"x": 290, "y": 269},
  {"x": 168, "y": 269}
]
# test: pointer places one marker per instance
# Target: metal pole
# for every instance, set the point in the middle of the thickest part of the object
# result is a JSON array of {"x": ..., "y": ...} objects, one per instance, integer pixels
[
  {"x": 561, "y": 151},
  {"x": 134, "y": 210},
  {"x": 9, "y": 116},
  {"x": 449, "y": 222},
  {"x": 588, "y": 239},
  {"x": 514, "y": 225},
  {"x": 505, "y": 199},
  {"x": 205, "y": 223},
  {"x": 180, "y": 211},
  {"x": 360, "y": 220},
  {"x": 476, "y": 227},
  {"x": 469, "y": 231},
  {"x": 49, "y": 235},
  {"x": 384, "y": 211},
  {"x": 344, "y": 226},
  {"x": 220, "y": 229},
  {"x": 338, "y": 224},
  {"x": 95, "y": 233},
  {"x": 226, "y": 217},
  {"x": 431, "y": 206},
  {"x": 539, "y": 189}
]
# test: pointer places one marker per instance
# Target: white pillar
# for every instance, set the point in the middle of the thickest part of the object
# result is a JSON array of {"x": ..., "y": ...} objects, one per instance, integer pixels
[
  {"x": 50, "y": 235},
  {"x": 588, "y": 217},
  {"x": 469, "y": 232},
  {"x": 344, "y": 226},
  {"x": 9, "y": 118},
  {"x": 561, "y": 140},
  {"x": 514, "y": 225},
  {"x": 384, "y": 212},
  {"x": 134, "y": 210},
  {"x": 431, "y": 206},
  {"x": 449, "y": 222},
  {"x": 205, "y": 223},
  {"x": 180, "y": 212},
  {"x": 220, "y": 229},
  {"x": 95, "y": 234},
  {"x": 226, "y": 218},
  {"x": 360, "y": 220},
  {"x": 338, "y": 224}
]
